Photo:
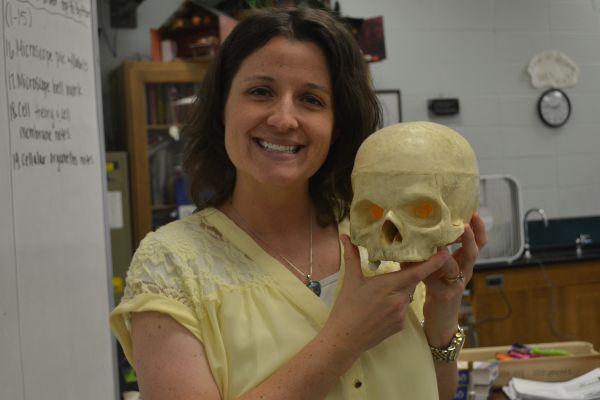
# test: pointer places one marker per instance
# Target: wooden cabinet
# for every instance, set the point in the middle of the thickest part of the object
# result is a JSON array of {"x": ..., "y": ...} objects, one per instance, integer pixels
[
  {"x": 537, "y": 303},
  {"x": 134, "y": 78}
]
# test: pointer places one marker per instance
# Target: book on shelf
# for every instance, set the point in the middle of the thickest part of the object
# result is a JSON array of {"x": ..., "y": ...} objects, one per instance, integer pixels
[{"x": 169, "y": 103}]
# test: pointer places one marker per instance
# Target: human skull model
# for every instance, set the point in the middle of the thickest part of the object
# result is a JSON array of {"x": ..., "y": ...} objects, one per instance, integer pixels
[{"x": 415, "y": 186}]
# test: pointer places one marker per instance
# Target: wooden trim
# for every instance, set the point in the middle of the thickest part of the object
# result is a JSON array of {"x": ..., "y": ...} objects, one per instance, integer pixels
[{"x": 534, "y": 276}]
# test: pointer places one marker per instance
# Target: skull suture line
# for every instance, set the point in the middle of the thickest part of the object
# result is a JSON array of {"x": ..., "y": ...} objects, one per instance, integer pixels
[{"x": 415, "y": 186}]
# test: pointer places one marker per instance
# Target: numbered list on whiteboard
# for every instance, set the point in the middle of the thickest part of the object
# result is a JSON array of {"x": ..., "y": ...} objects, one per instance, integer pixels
[{"x": 51, "y": 99}]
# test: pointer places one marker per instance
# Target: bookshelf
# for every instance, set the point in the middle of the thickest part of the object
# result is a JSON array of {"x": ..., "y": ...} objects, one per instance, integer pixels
[{"x": 151, "y": 125}]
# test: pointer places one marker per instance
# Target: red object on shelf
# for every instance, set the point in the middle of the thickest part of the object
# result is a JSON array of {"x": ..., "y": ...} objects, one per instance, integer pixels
[{"x": 155, "y": 40}]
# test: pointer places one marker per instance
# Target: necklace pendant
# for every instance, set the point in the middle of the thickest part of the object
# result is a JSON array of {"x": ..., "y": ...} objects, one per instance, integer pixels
[{"x": 315, "y": 286}]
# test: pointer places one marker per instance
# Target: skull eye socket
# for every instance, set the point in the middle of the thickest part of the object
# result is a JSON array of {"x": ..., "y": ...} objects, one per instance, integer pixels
[
  {"x": 376, "y": 212},
  {"x": 424, "y": 212},
  {"x": 367, "y": 212}
]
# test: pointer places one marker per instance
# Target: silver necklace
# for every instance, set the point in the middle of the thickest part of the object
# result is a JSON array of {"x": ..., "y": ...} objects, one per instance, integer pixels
[{"x": 315, "y": 286}]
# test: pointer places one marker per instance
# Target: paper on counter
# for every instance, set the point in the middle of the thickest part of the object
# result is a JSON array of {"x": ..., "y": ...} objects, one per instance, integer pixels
[{"x": 584, "y": 387}]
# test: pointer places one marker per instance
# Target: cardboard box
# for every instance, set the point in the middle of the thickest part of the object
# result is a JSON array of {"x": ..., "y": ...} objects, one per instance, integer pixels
[{"x": 583, "y": 359}]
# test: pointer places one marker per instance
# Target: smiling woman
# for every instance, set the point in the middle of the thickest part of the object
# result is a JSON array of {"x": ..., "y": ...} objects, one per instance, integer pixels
[
  {"x": 356, "y": 110},
  {"x": 279, "y": 115},
  {"x": 266, "y": 262}
]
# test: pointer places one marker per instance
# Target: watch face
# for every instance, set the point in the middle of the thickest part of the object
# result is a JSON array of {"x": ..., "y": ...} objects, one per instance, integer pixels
[{"x": 554, "y": 107}]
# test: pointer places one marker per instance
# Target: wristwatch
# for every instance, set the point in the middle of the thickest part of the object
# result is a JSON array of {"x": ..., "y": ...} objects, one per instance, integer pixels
[{"x": 450, "y": 353}]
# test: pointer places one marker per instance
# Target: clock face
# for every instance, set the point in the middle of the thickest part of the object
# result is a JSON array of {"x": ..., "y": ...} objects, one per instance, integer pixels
[{"x": 554, "y": 107}]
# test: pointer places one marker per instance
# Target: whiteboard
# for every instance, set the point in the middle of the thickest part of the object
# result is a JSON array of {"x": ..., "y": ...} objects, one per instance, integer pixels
[{"x": 55, "y": 296}]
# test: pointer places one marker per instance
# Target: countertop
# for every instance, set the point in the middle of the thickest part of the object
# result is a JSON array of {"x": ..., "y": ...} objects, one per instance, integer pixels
[{"x": 548, "y": 255}]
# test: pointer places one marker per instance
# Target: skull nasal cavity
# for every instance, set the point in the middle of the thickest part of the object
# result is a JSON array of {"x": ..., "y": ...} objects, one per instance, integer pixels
[{"x": 390, "y": 233}]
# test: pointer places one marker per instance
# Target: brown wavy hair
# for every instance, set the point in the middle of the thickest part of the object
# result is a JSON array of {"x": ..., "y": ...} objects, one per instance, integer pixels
[{"x": 357, "y": 112}]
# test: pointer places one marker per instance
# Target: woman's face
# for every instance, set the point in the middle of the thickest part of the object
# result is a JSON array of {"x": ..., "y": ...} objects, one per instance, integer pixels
[{"x": 279, "y": 114}]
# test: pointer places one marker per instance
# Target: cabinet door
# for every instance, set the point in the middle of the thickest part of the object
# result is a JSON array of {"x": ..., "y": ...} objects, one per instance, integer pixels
[
  {"x": 150, "y": 115},
  {"x": 581, "y": 320},
  {"x": 547, "y": 303},
  {"x": 168, "y": 108}
]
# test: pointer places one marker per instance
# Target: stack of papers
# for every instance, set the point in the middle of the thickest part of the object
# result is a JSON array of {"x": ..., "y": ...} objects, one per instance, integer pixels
[
  {"x": 584, "y": 387},
  {"x": 484, "y": 373},
  {"x": 482, "y": 377},
  {"x": 476, "y": 380}
]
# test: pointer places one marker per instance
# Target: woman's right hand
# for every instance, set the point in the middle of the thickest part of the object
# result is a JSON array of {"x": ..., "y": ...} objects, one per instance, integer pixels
[{"x": 368, "y": 310}]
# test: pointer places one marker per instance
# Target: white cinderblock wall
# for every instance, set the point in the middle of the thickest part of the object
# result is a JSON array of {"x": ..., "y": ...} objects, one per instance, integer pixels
[{"x": 478, "y": 51}]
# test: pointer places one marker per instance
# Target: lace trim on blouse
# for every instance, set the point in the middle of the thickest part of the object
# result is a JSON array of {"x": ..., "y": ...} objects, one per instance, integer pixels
[{"x": 190, "y": 261}]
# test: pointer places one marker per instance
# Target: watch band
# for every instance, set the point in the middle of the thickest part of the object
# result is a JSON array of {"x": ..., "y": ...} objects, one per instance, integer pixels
[{"x": 449, "y": 353}]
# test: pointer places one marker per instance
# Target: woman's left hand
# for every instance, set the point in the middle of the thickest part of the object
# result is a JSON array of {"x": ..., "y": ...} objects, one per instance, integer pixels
[{"x": 445, "y": 287}]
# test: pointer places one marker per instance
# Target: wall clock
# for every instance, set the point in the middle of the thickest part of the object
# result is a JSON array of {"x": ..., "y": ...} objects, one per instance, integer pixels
[{"x": 554, "y": 107}]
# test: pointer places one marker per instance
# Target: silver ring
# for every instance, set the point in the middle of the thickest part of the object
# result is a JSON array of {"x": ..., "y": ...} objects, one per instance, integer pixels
[{"x": 460, "y": 277}]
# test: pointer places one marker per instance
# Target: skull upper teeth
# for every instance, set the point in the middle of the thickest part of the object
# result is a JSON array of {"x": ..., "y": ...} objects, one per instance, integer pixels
[{"x": 278, "y": 147}]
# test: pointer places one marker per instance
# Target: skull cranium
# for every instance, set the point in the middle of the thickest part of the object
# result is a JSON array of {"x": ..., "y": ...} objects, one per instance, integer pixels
[{"x": 415, "y": 186}]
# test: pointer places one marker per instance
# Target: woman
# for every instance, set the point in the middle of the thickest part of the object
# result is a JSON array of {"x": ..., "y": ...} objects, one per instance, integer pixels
[{"x": 222, "y": 304}]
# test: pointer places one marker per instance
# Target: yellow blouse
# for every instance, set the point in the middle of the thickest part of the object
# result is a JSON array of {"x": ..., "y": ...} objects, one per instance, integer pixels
[{"x": 252, "y": 314}]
